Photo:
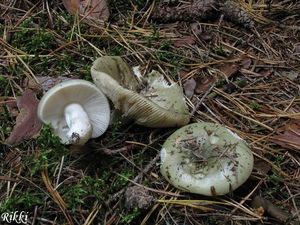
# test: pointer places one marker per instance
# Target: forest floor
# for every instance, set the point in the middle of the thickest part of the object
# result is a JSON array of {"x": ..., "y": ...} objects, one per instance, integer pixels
[{"x": 238, "y": 63}]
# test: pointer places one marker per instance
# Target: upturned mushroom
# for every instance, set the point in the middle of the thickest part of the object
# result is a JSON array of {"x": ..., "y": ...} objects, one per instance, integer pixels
[
  {"x": 159, "y": 104},
  {"x": 206, "y": 158},
  {"x": 76, "y": 109}
]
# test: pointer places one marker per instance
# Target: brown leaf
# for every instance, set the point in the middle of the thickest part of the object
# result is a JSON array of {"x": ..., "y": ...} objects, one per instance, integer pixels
[
  {"x": 204, "y": 84},
  {"x": 290, "y": 138},
  {"x": 262, "y": 205},
  {"x": 48, "y": 82},
  {"x": 189, "y": 87},
  {"x": 184, "y": 40},
  {"x": 246, "y": 63},
  {"x": 91, "y": 9},
  {"x": 266, "y": 73},
  {"x": 183, "y": 73},
  {"x": 27, "y": 123},
  {"x": 261, "y": 166},
  {"x": 229, "y": 69},
  {"x": 45, "y": 82}
]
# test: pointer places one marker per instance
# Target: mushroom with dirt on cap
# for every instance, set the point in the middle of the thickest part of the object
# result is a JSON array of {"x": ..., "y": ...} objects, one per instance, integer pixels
[
  {"x": 159, "y": 104},
  {"x": 206, "y": 158},
  {"x": 76, "y": 109}
]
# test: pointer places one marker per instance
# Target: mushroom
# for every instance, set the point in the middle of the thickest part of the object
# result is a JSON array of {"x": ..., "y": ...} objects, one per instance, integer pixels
[
  {"x": 76, "y": 109},
  {"x": 206, "y": 158},
  {"x": 159, "y": 104}
]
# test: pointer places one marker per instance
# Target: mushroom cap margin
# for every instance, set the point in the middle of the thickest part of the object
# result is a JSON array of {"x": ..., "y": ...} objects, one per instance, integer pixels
[
  {"x": 136, "y": 106},
  {"x": 52, "y": 105}
]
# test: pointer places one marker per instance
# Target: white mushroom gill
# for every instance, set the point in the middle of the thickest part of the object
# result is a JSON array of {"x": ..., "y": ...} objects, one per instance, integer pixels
[
  {"x": 80, "y": 128},
  {"x": 77, "y": 111}
]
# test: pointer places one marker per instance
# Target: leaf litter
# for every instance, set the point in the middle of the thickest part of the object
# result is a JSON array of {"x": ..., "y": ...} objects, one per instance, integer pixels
[{"x": 27, "y": 123}]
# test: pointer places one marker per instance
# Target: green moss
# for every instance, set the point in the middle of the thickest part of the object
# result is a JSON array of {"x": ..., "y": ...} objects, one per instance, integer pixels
[
  {"x": 50, "y": 151},
  {"x": 32, "y": 40},
  {"x": 123, "y": 179},
  {"x": 80, "y": 193},
  {"x": 130, "y": 216},
  {"x": 4, "y": 86},
  {"x": 22, "y": 201},
  {"x": 255, "y": 106},
  {"x": 116, "y": 50}
]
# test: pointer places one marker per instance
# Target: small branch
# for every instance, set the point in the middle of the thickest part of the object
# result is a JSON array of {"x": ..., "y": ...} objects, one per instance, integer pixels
[
  {"x": 199, "y": 103},
  {"x": 112, "y": 152}
]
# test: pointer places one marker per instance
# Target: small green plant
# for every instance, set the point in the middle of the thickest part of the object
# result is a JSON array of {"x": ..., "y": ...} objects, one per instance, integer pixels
[
  {"x": 221, "y": 83},
  {"x": 241, "y": 83},
  {"x": 116, "y": 50},
  {"x": 153, "y": 37},
  {"x": 6, "y": 122},
  {"x": 74, "y": 196},
  {"x": 3, "y": 82},
  {"x": 255, "y": 106},
  {"x": 220, "y": 51},
  {"x": 48, "y": 140},
  {"x": 131, "y": 216},
  {"x": 78, "y": 193},
  {"x": 22, "y": 201},
  {"x": 123, "y": 179}
]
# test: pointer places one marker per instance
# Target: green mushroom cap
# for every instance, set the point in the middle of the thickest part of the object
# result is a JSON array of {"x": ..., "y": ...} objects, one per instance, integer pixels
[
  {"x": 206, "y": 158},
  {"x": 159, "y": 104}
]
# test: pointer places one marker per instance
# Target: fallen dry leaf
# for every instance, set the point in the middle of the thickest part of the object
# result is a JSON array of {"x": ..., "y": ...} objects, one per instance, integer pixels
[
  {"x": 266, "y": 73},
  {"x": 91, "y": 9},
  {"x": 261, "y": 166},
  {"x": 228, "y": 69},
  {"x": 189, "y": 87},
  {"x": 246, "y": 63},
  {"x": 204, "y": 84},
  {"x": 262, "y": 205},
  {"x": 183, "y": 74},
  {"x": 289, "y": 136},
  {"x": 45, "y": 82},
  {"x": 27, "y": 123},
  {"x": 184, "y": 40}
]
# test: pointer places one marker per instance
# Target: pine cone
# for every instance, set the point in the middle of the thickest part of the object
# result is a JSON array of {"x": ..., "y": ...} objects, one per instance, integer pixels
[
  {"x": 200, "y": 9},
  {"x": 235, "y": 13}
]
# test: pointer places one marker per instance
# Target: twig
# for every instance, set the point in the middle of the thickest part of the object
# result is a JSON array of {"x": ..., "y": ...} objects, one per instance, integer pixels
[
  {"x": 112, "y": 152},
  {"x": 199, "y": 103}
]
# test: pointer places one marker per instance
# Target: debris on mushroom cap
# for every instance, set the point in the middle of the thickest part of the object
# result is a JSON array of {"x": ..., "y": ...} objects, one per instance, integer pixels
[
  {"x": 73, "y": 104},
  {"x": 158, "y": 105},
  {"x": 206, "y": 158}
]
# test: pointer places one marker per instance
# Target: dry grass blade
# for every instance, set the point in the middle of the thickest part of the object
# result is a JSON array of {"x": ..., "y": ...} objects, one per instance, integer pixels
[{"x": 56, "y": 196}]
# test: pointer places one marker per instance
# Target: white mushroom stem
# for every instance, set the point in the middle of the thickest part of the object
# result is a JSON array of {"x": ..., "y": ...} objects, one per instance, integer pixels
[{"x": 80, "y": 128}]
